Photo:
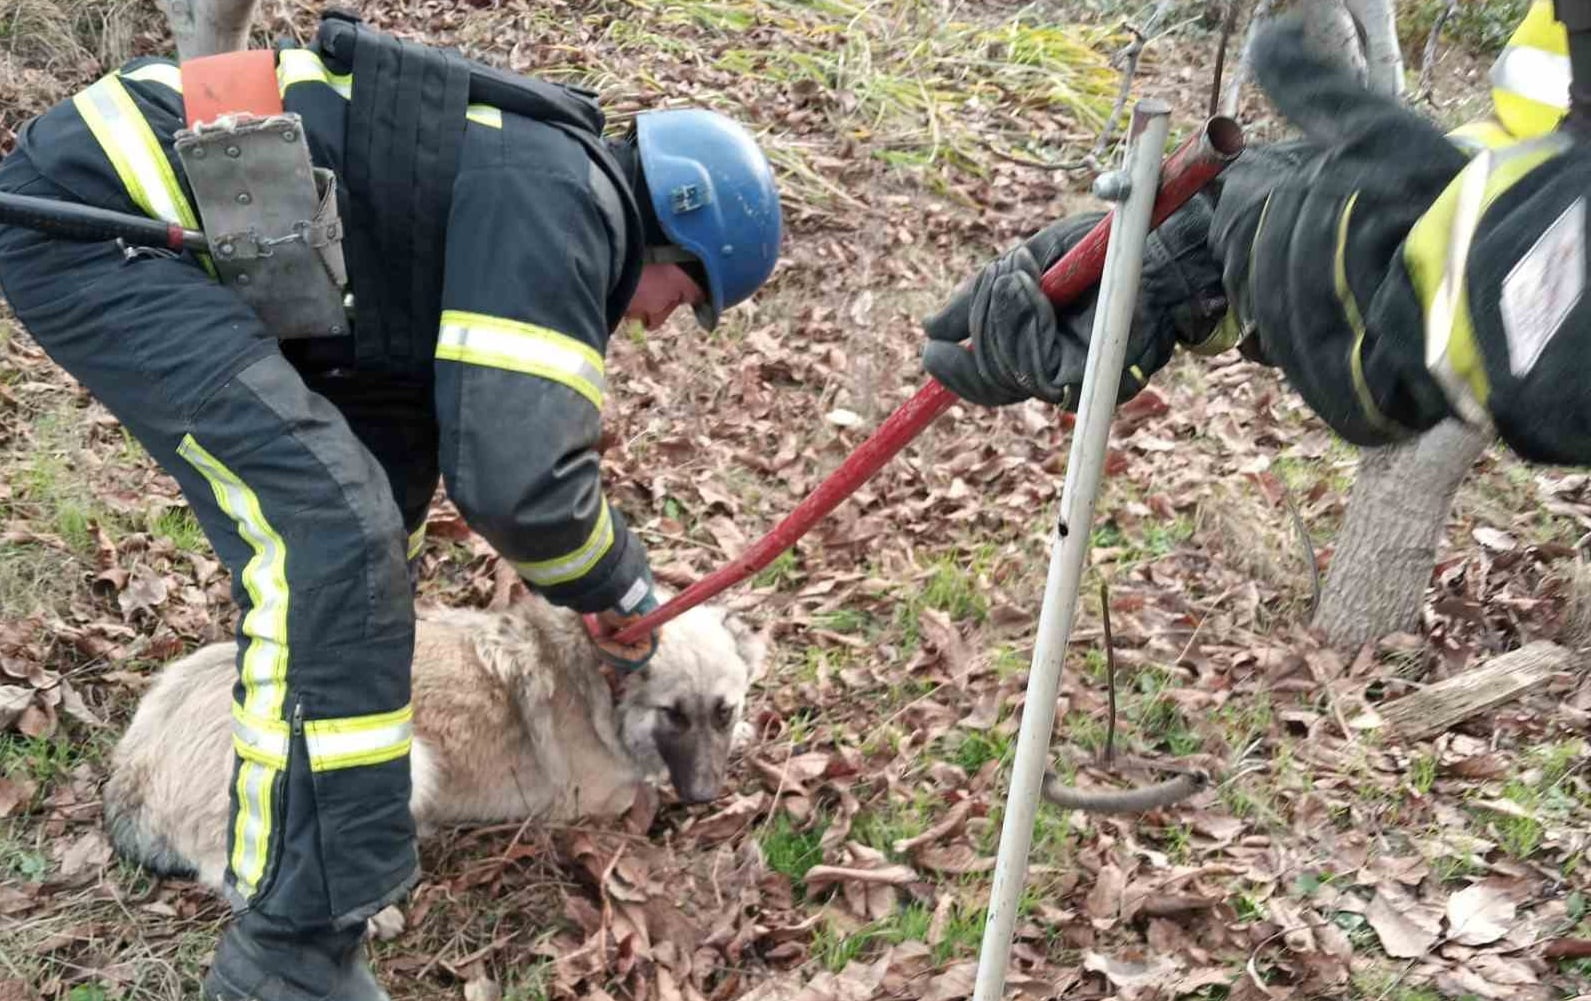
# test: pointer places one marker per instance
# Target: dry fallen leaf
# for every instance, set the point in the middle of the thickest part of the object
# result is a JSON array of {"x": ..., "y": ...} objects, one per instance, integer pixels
[
  {"x": 15, "y": 793},
  {"x": 89, "y": 851},
  {"x": 1407, "y": 928},
  {"x": 1130, "y": 973},
  {"x": 953, "y": 984},
  {"x": 13, "y": 701},
  {"x": 1478, "y": 914}
]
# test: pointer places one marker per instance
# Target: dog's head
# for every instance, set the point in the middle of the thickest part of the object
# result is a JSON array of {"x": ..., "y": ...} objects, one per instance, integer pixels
[{"x": 680, "y": 713}]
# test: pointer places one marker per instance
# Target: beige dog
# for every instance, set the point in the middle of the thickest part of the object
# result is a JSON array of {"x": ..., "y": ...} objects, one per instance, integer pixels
[{"x": 512, "y": 720}]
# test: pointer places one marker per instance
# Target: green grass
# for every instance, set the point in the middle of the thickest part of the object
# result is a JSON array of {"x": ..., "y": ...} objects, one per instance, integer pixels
[
  {"x": 896, "y": 820},
  {"x": 1481, "y": 25},
  {"x": 20, "y": 859},
  {"x": 954, "y": 590},
  {"x": 780, "y": 572},
  {"x": 31, "y": 580},
  {"x": 50, "y": 488},
  {"x": 47, "y": 760},
  {"x": 791, "y": 851},
  {"x": 976, "y": 748},
  {"x": 846, "y": 620},
  {"x": 1422, "y": 773},
  {"x": 834, "y": 947},
  {"x": 178, "y": 526}
]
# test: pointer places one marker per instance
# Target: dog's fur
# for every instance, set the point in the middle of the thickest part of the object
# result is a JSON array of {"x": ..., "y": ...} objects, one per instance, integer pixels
[{"x": 512, "y": 721}]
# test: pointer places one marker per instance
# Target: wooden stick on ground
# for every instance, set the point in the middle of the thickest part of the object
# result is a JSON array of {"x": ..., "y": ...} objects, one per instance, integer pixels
[{"x": 1441, "y": 706}]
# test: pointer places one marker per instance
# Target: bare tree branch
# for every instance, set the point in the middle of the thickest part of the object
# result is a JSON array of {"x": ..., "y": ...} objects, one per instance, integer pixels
[
  {"x": 1428, "y": 60},
  {"x": 1227, "y": 24},
  {"x": 1234, "y": 87}
]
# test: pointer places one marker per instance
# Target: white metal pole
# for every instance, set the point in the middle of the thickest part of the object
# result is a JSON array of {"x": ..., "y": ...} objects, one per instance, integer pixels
[{"x": 1107, "y": 350}]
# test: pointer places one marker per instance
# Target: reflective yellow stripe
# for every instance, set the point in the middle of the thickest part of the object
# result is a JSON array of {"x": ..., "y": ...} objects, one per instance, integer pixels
[
  {"x": 164, "y": 74},
  {"x": 1530, "y": 80},
  {"x": 134, "y": 151},
  {"x": 1350, "y": 310},
  {"x": 358, "y": 740},
  {"x": 1436, "y": 255},
  {"x": 303, "y": 66},
  {"x": 259, "y": 739},
  {"x": 485, "y": 114},
  {"x": 477, "y": 339},
  {"x": 416, "y": 541},
  {"x": 1476, "y": 136},
  {"x": 264, "y": 672},
  {"x": 546, "y": 573}
]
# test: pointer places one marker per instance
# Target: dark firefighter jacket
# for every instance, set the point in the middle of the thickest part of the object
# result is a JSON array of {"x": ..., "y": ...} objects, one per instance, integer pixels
[
  {"x": 1400, "y": 277},
  {"x": 540, "y": 255}
]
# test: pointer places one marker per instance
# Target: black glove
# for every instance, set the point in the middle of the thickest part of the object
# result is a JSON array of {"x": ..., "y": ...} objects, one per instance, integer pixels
[{"x": 1021, "y": 348}]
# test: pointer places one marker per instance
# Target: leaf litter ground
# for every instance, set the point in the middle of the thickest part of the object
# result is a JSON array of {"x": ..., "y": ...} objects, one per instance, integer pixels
[{"x": 850, "y": 858}]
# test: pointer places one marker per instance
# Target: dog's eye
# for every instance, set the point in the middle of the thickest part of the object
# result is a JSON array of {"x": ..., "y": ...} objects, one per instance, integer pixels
[
  {"x": 723, "y": 716},
  {"x": 676, "y": 717}
]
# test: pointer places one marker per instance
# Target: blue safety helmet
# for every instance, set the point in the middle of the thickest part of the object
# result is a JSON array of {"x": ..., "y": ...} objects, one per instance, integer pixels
[{"x": 714, "y": 195}]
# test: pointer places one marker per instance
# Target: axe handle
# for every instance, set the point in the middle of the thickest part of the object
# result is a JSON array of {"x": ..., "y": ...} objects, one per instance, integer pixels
[
  {"x": 88, "y": 222},
  {"x": 1190, "y": 167}
]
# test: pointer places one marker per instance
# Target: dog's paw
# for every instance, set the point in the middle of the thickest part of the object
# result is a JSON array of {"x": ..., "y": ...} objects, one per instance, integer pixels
[{"x": 387, "y": 925}]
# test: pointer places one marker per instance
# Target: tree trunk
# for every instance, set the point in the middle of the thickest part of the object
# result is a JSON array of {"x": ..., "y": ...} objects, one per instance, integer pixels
[
  {"x": 206, "y": 27},
  {"x": 1330, "y": 33},
  {"x": 1388, "y": 541},
  {"x": 1402, "y": 495},
  {"x": 1383, "y": 57}
]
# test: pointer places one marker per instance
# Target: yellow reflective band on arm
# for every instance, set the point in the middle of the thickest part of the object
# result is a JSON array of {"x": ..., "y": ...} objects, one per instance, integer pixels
[
  {"x": 1476, "y": 136},
  {"x": 1350, "y": 312},
  {"x": 134, "y": 151},
  {"x": 258, "y": 739},
  {"x": 264, "y": 671},
  {"x": 164, "y": 74},
  {"x": 303, "y": 66},
  {"x": 1530, "y": 80},
  {"x": 416, "y": 541},
  {"x": 478, "y": 339},
  {"x": 573, "y": 566},
  {"x": 358, "y": 740},
  {"x": 1436, "y": 256},
  {"x": 485, "y": 114}
]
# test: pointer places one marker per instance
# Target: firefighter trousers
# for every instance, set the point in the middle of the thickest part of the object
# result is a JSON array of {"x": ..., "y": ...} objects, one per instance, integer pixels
[{"x": 304, "y": 517}]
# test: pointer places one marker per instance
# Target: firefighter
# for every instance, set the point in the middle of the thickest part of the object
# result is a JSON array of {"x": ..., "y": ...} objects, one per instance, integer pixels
[
  {"x": 1398, "y": 276},
  {"x": 479, "y": 324}
]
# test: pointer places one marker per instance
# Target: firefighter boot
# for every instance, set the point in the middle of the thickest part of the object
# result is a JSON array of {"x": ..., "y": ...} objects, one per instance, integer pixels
[{"x": 259, "y": 960}]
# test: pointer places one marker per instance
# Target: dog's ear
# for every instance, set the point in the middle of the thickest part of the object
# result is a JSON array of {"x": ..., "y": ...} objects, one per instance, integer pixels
[{"x": 752, "y": 645}]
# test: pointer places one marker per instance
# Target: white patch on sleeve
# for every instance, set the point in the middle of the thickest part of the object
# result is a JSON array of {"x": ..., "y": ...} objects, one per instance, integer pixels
[
  {"x": 1543, "y": 287},
  {"x": 633, "y": 596}
]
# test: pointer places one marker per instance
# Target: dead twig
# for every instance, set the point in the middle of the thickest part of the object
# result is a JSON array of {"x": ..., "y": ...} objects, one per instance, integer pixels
[
  {"x": 1227, "y": 25},
  {"x": 1428, "y": 60},
  {"x": 1110, "y": 674},
  {"x": 1306, "y": 545},
  {"x": 1127, "y": 60},
  {"x": 894, "y": 875},
  {"x": 953, "y": 821},
  {"x": 1234, "y": 87}
]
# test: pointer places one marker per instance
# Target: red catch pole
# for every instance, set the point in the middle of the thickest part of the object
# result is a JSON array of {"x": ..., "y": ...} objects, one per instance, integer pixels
[{"x": 1190, "y": 167}]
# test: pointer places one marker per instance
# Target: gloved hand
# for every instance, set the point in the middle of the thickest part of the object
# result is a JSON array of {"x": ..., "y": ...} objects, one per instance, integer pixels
[
  {"x": 1022, "y": 348},
  {"x": 604, "y": 625}
]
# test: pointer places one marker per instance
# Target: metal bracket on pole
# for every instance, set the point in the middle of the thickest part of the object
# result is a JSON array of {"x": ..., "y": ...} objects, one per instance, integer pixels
[{"x": 1085, "y": 465}]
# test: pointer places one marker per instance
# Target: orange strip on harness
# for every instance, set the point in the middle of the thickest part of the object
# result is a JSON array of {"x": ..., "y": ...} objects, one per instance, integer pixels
[{"x": 228, "y": 83}]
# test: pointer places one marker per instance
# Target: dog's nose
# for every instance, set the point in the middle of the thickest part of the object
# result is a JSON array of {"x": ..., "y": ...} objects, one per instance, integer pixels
[{"x": 698, "y": 793}]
